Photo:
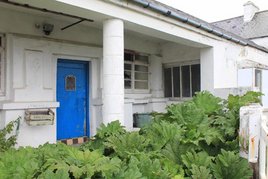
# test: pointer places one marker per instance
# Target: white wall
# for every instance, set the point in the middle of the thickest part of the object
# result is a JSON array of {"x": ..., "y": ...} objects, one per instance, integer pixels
[
  {"x": 225, "y": 65},
  {"x": 172, "y": 53},
  {"x": 31, "y": 68},
  {"x": 31, "y": 62},
  {"x": 264, "y": 42},
  {"x": 24, "y": 23},
  {"x": 218, "y": 63},
  {"x": 265, "y": 87},
  {"x": 207, "y": 69}
]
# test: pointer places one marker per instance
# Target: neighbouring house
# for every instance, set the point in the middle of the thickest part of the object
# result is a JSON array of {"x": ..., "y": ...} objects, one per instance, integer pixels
[
  {"x": 253, "y": 25},
  {"x": 87, "y": 62}
]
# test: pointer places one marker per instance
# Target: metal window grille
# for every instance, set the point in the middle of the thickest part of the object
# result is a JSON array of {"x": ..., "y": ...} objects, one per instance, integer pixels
[{"x": 182, "y": 81}]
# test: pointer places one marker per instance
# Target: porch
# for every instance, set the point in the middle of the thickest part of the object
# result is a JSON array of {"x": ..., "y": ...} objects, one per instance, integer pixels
[{"x": 138, "y": 63}]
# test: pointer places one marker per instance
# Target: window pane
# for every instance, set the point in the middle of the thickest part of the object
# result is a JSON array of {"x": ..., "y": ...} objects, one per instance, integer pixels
[
  {"x": 141, "y": 84},
  {"x": 141, "y": 59},
  {"x": 176, "y": 82},
  {"x": 141, "y": 76},
  {"x": 195, "y": 78},
  {"x": 168, "y": 83},
  {"x": 128, "y": 57},
  {"x": 185, "y": 71},
  {"x": 127, "y": 66},
  {"x": 141, "y": 68},
  {"x": 258, "y": 78},
  {"x": 127, "y": 75},
  {"x": 127, "y": 84},
  {"x": 70, "y": 83}
]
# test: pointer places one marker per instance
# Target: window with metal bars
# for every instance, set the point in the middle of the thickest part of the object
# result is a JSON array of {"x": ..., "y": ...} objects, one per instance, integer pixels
[{"x": 182, "y": 81}]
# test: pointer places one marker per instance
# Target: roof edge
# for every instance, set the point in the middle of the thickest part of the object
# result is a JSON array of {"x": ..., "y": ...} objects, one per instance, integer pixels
[{"x": 215, "y": 31}]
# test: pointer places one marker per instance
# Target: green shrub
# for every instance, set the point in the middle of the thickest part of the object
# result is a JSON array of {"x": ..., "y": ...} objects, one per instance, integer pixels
[
  {"x": 195, "y": 139},
  {"x": 7, "y": 140},
  {"x": 230, "y": 165}
]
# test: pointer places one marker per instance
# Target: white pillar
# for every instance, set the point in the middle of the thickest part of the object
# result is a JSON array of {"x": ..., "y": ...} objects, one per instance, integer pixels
[
  {"x": 113, "y": 71},
  {"x": 156, "y": 76},
  {"x": 207, "y": 69}
]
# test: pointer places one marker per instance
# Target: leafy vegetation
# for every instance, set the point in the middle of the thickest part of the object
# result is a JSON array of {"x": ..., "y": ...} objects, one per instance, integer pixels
[
  {"x": 195, "y": 139},
  {"x": 7, "y": 140},
  {"x": 229, "y": 165}
]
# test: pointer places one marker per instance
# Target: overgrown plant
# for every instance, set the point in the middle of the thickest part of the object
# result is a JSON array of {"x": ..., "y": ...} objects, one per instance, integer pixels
[
  {"x": 7, "y": 139},
  {"x": 195, "y": 139}
]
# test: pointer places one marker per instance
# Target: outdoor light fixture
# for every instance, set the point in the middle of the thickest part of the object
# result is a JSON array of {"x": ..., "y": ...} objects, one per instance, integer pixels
[{"x": 47, "y": 28}]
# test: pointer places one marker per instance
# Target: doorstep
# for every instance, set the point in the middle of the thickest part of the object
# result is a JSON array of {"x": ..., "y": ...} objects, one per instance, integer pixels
[{"x": 74, "y": 141}]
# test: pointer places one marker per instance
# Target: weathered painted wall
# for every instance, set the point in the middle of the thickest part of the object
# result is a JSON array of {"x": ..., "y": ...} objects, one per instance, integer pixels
[
  {"x": 31, "y": 58},
  {"x": 225, "y": 65},
  {"x": 20, "y": 22},
  {"x": 264, "y": 42},
  {"x": 173, "y": 53},
  {"x": 31, "y": 68},
  {"x": 33, "y": 72}
]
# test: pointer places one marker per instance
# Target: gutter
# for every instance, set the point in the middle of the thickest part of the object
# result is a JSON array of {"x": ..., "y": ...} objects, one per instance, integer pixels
[{"x": 174, "y": 15}]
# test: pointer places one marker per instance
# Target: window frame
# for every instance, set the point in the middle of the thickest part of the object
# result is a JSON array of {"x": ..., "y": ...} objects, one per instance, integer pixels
[
  {"x": 180, "y": 64},
  {"x": 133, "y": 71},
  {"x": 255, "y": 82},
  {"x": 2, "y": 63}
]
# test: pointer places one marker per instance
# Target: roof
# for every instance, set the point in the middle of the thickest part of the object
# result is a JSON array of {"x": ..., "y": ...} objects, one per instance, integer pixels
[
  {"x": 196, "y": 22},
  {"x": 257, "y": 27}
]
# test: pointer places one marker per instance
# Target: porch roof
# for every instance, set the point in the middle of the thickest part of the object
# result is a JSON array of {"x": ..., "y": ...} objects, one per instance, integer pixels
[
  {"x": 171, "y": 12},
  {"x": 152, "y": 5}
]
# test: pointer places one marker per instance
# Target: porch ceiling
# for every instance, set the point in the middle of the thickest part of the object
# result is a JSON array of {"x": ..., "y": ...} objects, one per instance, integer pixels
[
  {"x": 151, "y": 34},
  {"x": 97, "y": 18}
]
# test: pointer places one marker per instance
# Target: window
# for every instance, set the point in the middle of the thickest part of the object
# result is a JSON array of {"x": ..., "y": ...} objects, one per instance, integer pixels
[
  {"x": 258, "y": 79},
  {"x": 182, "y": 81},
  {"x": 136, "y": 71},
  {"x": 70, "y": 83}
]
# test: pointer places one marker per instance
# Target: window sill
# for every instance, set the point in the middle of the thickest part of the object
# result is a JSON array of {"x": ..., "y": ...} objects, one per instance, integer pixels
[
  {"x": 180, "y": 99},
  {"x": 29, "y": 105},
  {"x": 136, "y": 91}
]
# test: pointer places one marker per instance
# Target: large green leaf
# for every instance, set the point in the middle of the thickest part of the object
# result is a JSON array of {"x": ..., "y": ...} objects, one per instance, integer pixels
[
  {"x": 199, "y": 159},
  {"x": 200, "y": 172},
  {"x": 162, "y": 132},
  {"x": 229, "y": 165},
  {"x": 208, "y": 103},
  {"x": 127, "y": 144},
  {"x": 113, "y": 128}
]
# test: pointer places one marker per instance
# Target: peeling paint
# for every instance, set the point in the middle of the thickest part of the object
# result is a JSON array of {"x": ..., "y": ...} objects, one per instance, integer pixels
[{"x": 249, "y": 131}]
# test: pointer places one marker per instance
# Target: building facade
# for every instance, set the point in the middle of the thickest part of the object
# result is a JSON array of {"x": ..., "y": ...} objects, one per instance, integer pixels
[
  {"x": 252, "y": 25},
  {"x": 93, "y": 62}
]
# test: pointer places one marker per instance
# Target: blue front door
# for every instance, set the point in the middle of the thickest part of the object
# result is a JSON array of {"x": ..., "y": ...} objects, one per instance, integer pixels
[{"x": 72, "y": 93}]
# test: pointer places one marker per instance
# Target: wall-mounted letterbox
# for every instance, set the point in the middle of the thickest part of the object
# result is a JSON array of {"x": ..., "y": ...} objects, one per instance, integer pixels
[{"x": 39, "y": 117}]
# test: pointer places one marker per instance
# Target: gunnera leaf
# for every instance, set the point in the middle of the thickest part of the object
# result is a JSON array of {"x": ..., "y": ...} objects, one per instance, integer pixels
[
  {"x": 229, "y": 165},
  {"x": 208, "y": 103}
]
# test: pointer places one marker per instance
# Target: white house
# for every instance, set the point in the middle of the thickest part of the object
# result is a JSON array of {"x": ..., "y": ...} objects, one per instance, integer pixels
[
  {"x": 253, "y": 25},
  {"x": 94, "y": 61}
]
